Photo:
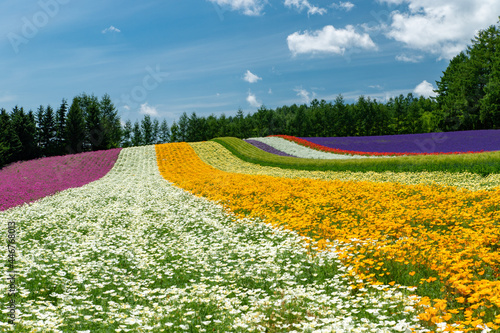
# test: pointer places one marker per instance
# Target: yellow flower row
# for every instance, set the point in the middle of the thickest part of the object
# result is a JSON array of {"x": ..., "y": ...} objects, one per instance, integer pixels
[
  {"x": 219, "y": 157},
  {"x": 387, "y": 228}
]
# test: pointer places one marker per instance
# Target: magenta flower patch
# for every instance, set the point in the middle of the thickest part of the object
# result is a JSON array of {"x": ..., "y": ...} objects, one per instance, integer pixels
[{"x": 24, "y": 182}]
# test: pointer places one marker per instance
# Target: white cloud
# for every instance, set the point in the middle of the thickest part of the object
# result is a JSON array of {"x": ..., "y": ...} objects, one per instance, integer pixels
[
  {"x": 329, "y": 40},
  {"x": 347, "y": 5},
  {"x": 441, "y": 27},
  {"x": 251, "y": 77},
  {"x": 425, "y": 89},
  {"x": 111, "y": 29},
  {"x": 405, "y": 58},
  {"x": 252, "y": 100},
  {"x": 270, "y": 91},
  {"x": 304, "y": 4},
  {"x": 149, "y": 110},
  {"x": 304, "y": 95},
  {"x": 247, "y": 7}
]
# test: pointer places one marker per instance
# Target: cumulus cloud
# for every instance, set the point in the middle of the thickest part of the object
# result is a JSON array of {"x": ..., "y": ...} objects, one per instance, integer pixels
[
  {"x": 425, "y": 89},
  {"x": 251, "y": 77},
  {"x": 441, "y": 27},
  {"x": 247, "y": 7},
  {"x": 111, "y": 29},
  {"x": 405, "y": 58},
  {"x": 252, "y": 100},
  {"x": 148, "y": 110},
  {"x": 300, "y": 5},
  {"x": 329, "y": 40}
]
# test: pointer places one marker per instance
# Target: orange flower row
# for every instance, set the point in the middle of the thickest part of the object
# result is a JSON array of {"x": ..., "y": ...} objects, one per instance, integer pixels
[{"x": 449, "y": 237}]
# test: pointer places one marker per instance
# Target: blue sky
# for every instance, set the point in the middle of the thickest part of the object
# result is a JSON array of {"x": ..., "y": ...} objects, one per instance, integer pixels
[{"x": 165, "y": 57}]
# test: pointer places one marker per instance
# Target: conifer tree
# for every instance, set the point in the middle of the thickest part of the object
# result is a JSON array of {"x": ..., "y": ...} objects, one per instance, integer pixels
[
  {"x": 61, "y": 127},
  {"x": 75, "y": 128}
]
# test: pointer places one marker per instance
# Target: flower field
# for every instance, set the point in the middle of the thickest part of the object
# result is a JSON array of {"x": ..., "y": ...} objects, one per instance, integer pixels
[
  {"x": 190, "y": 238},
  {"x": 484, "y": 164},
  {"x": 31, "y": 180},
  {"x": 220, "y": 158},
  {"x": 442, "y": 240},
  {"x": 283, "y": 147},
  {"x": 427, "y": 143},
  {"x": 132, "y": 253}
]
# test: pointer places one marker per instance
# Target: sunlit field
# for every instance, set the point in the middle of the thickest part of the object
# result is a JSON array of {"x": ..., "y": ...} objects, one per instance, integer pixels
[{"x": 189, "y": 238}]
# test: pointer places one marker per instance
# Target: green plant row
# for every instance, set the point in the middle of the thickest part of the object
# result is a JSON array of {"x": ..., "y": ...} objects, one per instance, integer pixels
[{"x": 479, "y": 163}]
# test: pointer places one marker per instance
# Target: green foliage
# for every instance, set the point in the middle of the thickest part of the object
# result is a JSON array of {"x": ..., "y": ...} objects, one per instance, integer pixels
[
  {"x": 9, "y": 141},
  {"x": 480, "y": 163},
  {"x": 75, "y": 128},
  {"x": 61, "y": 126},
  {"x": 137, "y": 137},
  {"x": 469, "y": 88},
  {"x": 147, "y": 130},
  {"x": 110, "y": 122},
  {"x": 25, "y": 128},
  {"x": 164, "y": 135},
  {"x": 127, "y": 134}
]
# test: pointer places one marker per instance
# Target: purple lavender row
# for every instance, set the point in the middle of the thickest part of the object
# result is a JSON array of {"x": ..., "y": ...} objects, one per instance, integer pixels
[
  {"x": 267, "y": 148},
  {"x": 446, "y": 142},
  {"x": 24, "y": 182}
]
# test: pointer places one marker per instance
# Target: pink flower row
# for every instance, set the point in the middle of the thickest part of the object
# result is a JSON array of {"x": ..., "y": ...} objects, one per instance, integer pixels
[{"x": 24, "y": 182}]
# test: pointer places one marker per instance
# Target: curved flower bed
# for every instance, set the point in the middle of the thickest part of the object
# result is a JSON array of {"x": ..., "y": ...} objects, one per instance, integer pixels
[
  {"x": 423, "y": 143},
  {"x": 216, "y": 155},
  {"x": 266, "y": 147},
  {"x": 28, "y": 181},
  {"x": 442, "y": 240},
  {"x": 242, "y": 194},
  {"x": 297, "y": 150},
  {"x": 308, "y": 143}
]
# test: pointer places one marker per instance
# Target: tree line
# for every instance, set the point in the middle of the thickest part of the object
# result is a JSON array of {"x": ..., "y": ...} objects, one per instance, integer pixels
[
  {"x": 88, "y": 124},
  {"x": 468, "y": 99}
]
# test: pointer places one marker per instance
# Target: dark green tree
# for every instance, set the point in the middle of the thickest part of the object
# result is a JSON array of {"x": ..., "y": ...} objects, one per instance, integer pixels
[
  {"x": 164, "y": 135},
  {"x": 75, "y": 128},
  {"x": 156, "y": 131},
  {"x": 174, "y": 132},
  {"x": 110, "y": 123},
  {"x": 9, "y": 141},
  {"x": 147, "y": 130},
  {"x": 48, "y": 132},
  {"x": 194, "y": 131},
  {"x": 25, "y": 128},
  {"x": 466, "y": 82},
  {"x": 96, "y": 136},
  {"x": 127, "y": 134},
  {"x": 183, "y": 127},
  {"x": 60, "y": 142},
  {"x": 137, "y": 138}
]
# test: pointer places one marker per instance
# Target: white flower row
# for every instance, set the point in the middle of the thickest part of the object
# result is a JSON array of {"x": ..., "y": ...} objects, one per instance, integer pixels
[
  {"x": 297, "y": 150},
  {"x": 131, "y": 252}
]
